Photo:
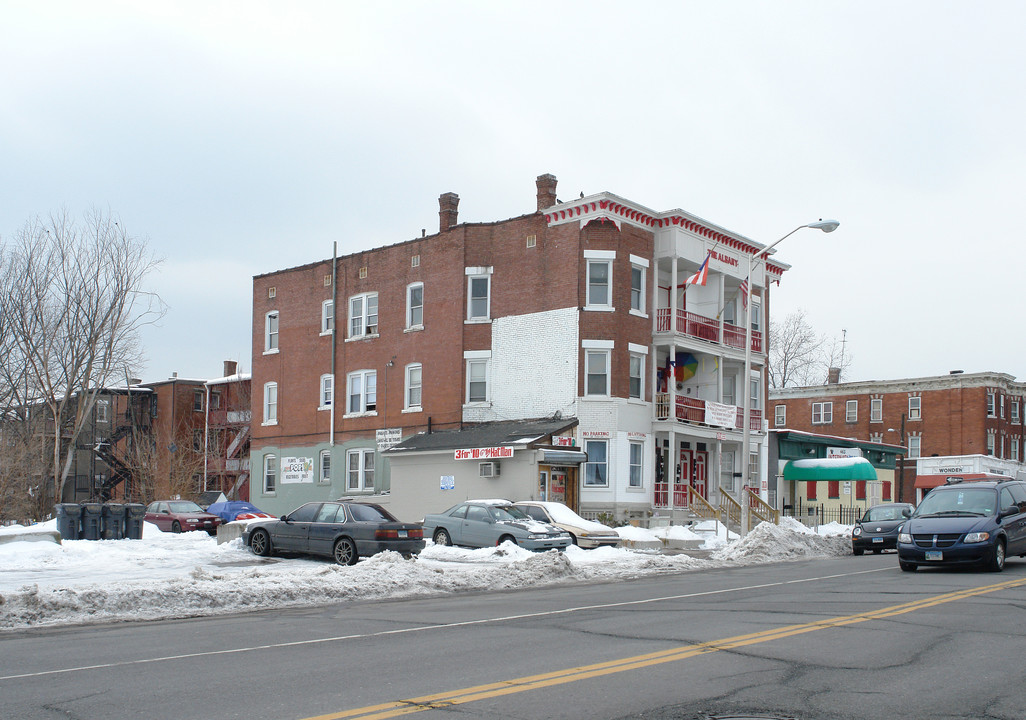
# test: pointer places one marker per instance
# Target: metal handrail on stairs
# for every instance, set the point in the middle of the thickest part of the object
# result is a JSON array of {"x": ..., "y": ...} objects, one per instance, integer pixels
[{"x": 761, "y": 509}]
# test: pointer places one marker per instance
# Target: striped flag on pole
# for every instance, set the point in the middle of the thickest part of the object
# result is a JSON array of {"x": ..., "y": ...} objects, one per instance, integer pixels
[
  {"x": 744, "y": 293},
  {"x": 700, "y": 277}
]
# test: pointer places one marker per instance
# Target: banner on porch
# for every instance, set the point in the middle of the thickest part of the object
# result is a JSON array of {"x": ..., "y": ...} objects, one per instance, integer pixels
[{"x": 720, "y": 414}]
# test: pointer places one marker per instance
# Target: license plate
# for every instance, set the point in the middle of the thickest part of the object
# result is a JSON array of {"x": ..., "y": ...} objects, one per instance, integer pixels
[
  {"x": 934, "y": 555},
  {"x": 878, "y": 540},
  {"x": 403, "y": 533}
]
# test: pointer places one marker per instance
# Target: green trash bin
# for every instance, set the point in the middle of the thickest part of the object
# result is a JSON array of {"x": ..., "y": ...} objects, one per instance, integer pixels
[
  {"x": 69, "y": 515},
  {"x": 90, "y": 527},
  {"x": 112, "y": 526},
  {"x": 134, "y": 514}
]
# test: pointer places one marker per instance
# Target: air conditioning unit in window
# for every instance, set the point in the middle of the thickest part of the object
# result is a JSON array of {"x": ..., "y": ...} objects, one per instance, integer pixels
[{"x": 489, "y": 469}]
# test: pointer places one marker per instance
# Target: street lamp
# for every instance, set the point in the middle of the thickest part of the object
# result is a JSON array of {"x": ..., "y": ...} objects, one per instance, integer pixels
[{"x": 826, "y": 226}]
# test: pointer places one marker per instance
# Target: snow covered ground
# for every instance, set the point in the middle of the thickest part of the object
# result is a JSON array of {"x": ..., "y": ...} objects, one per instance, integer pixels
[{"x": 171, "y": 576}]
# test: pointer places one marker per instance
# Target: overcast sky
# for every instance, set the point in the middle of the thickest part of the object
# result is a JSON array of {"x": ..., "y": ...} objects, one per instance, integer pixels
[{"x": 240, "y": 138}]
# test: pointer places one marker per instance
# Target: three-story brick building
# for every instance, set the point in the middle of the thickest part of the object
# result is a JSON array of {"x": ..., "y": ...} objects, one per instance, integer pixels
[{"x": 580, "y": 311}]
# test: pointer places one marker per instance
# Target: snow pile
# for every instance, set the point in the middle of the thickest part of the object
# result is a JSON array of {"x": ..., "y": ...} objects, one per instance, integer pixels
[
  {"x": 790, "y": 540},
  {"x": 188, "y": 575}
]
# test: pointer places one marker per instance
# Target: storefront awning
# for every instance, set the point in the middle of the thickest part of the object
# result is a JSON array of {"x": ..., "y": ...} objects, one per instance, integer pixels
[
  {"x": 847, "y": 469},
  {"x": 563, "y": 457}
]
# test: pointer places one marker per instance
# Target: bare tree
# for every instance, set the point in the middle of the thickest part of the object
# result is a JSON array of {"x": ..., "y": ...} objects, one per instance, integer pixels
[
  {"x": 73, "y": 302},
  {"x": 794, "y": 352}
]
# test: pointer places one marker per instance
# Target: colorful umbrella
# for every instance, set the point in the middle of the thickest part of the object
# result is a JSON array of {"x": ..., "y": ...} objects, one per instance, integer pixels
[{"x": 685, "y": 367}]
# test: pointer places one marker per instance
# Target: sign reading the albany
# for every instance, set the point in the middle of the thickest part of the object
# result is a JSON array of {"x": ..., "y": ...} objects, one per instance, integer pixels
[
  {"x": 488, "y": 453},
  {"x": 296, "y": 470}
]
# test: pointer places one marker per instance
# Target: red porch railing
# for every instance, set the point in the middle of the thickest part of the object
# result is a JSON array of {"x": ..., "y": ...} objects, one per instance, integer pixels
[{"x": 699, "y": 326}]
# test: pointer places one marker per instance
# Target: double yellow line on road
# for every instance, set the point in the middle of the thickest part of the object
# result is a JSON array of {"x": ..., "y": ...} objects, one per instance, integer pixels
[{"x": 568, "y": 675}]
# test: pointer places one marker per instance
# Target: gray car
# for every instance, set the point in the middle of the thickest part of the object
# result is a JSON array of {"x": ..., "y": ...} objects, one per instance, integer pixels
[{"x": 487, "y": 523}]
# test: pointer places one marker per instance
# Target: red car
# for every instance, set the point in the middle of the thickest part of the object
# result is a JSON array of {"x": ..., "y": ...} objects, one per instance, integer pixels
[{"x": 181, "y": 516}]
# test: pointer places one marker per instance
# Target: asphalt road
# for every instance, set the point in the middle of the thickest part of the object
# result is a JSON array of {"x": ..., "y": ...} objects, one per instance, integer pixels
[{"x": 816, "y": 640}]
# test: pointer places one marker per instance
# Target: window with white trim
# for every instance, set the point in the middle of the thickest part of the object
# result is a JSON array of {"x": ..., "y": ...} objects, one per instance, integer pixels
[
  {"x": 754, "y": 393},
  {"x": 363, "y": 315},
  {"x": 990, "y": 405},
  {"x": 596, "y": 470},
  {"x": 1015, "y": 411},
  {"x": 324, "y": 474},
  {"x": 103, "y": 411},
  {"x": 636, "y": 388},
  {"x": 851, "y": 411},
  {"x": 477, "y": 380},
  {"x": 876, "y": 410},
  {"x": 271, "y": 332},
  {"x": 327, "y": 316},
  {"x": 271, "y": 403},
  {"x": 197, "y": 401},
  {"x": 1001, "y": 403},
  {"x": 327, "y": 391},
  {"x": 415, "y": 306},
  {"x": 215, "y": 400},
  {"x": 1015, "y": 449},
  {"x": 599, "y": 275},
  {"x": 270, "y": 473},
  {"x": 915, "y": 408},
  {"x": 780, "y": 415},
  {"x": 915, "y": 443},
  {"x": 596, "y": 363},
  {"x": 638, "y": 289},
  {"x": 991, "y": 443},
  {"x": 360, "y": 470},
  {"x": 479, "y": 297},
  {"x": 636, "y": 459},
  {"x": 822, "y": 413},
  {"x": 414, "y": 379},
  {"x": 362, "y": 391},
  {"x": 756, "y": 315}
]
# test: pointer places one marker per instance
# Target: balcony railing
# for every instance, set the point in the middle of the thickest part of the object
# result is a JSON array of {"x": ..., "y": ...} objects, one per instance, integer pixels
[
  {"x": 692, "y": 410},
  {"x": 703, "y": 328}
]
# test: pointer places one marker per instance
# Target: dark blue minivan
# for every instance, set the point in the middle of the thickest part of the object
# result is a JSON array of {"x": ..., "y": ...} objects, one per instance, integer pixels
[{"x": 979, "y": 522}]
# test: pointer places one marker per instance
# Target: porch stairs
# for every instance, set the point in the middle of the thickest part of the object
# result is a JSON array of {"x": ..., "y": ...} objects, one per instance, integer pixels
[{"x": 728, "y": 511}]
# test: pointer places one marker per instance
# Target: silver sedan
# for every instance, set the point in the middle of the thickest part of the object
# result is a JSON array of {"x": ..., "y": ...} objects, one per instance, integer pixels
[{"x": 487, "y": 523}]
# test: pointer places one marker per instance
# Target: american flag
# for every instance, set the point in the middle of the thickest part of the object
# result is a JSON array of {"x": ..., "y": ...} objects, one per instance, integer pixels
[
  {"x": 699, "y": 277},
  {"x": 744, "y": 293}
]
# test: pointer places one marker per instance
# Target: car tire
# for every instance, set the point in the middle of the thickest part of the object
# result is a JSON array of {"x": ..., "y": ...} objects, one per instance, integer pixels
[
  {"x": 573, "y": 539},
  {"x": 907, "y": 566},
  {"x": 176, "y": 527},
  {"x": 260, "y": 543},
  {"x": 996, "y": 561},
  {"x": 441, "y": 537},
  {"x": 857, "y": 551},
  {"x": 504, "y": 538},
  {"x": 344, "y": 552}
]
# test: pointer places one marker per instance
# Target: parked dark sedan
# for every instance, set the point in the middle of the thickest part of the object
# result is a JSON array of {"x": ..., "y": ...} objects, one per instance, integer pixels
[
  {"x": 345, "y": 531},
  {"x": 487, "y": 523},
  {"x": 180, "y": 516},
  {"x": 878, "y": 528}
]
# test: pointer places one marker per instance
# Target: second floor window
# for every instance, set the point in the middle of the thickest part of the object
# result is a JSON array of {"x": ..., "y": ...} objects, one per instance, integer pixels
[
  {"x": 780, "y": 415},
  {"x": 1015, "y": 411},
  {"x": 363, "y": 315},
  {"x": 915, "y": 445},
  {"x": 596, "y": 372},
  {"x": 851, "y": 411},
  {"x": 270, "y": 403},
  {"x": 478, "y": 287},
  {"x": 477, "y": 381},
  {"x": 197, "y": 401},
  {"x": 990, "y": 405},
  {"x": 822, "y": 413},
  {"x": 596, "y": 469},
  {"x": 876, "y": 410},
  {"x": 362, "y": 391},
  {"x": 103, "y": 411},
  {"x": 637, "y": 372},
  {"x": 638, "y": 288},
  {"x": 598, "y": 283},
  {"x": 413, "y": 386}
]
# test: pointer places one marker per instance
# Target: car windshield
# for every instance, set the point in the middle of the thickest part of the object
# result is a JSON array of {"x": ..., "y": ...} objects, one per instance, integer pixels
[
  {"x": 881, "y": 514},
  {"x": 184, "y": 506},
  {"x": 959, "y": 501},
  {"x": 370, "y": 513},
  {"x": 508, "y": 512}
]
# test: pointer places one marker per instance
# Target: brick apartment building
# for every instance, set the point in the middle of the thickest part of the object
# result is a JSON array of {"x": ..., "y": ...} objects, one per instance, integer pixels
[
  {"x": 958, "y": 414},
  {"x": 228, "y": 404},
  {"x": 577, "y": 313}
]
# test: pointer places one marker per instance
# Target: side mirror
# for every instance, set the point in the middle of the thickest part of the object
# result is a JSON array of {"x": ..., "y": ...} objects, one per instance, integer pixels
[
  {"x": 906, "y": 512},
  {"x": 284, "y": 518},
  {"x": 1008, "y": 512}
]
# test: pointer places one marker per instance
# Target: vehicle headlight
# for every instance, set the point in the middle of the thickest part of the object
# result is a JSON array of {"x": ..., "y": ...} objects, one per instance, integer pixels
[
  {"x": 857, "y": 531},
  {"x": 977, "y": 537},
  {"x": 192, "y": 520},
  {"x": 905, "y": 537},
  {"x": 538, "y": 536}
]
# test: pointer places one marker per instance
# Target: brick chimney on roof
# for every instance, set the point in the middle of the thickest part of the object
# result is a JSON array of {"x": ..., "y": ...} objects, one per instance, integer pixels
[
  {"x": 230, "y": 367},
  {"x": 546, "y": 191},
  {"x": 833, "y": 376},
  {"x": 448, "y": 210}
]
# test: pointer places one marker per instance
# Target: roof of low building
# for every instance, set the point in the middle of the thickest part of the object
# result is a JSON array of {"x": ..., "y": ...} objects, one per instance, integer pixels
[{"x": 490, "y": 434}]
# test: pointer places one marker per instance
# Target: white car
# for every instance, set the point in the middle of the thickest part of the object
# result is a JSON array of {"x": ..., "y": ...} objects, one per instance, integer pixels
[{"x": 585, "y": 533}]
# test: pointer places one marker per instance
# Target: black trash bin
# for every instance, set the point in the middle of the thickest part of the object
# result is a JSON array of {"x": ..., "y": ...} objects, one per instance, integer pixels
[
  {"x": 69, "y": 515},
  {"x": 113, "y": 524},
  {"x": 134, "y": 514},
  {"x": 90, "y": 528}
]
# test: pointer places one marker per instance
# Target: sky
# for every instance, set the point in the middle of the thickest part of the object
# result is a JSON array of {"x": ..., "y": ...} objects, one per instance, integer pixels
[
  {"x": 167, "y": 575},
  {"x": 240, "y": 138}
]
